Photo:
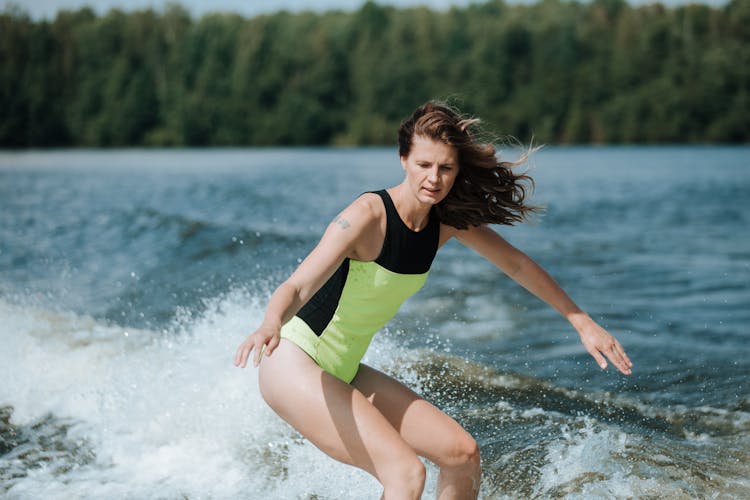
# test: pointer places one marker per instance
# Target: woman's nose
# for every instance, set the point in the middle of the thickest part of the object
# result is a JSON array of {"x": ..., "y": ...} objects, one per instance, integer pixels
[{"x": 433, "y": 175}]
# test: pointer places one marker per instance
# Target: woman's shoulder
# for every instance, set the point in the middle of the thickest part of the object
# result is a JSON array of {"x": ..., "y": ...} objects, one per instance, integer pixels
[
  {"x": 472, "y": 232},
  {"x": 369, "y": 205},
  {"x": 366, "y": 209}
]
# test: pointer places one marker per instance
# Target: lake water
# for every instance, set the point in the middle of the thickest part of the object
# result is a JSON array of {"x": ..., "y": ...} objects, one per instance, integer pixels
[{"x": 127, "y": 279}]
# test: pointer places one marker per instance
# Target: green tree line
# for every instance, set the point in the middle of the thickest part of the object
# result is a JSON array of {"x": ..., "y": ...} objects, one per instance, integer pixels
[{"x": 560, "y": 71}]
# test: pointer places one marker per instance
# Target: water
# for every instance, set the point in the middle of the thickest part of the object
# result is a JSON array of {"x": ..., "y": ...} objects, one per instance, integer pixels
[{"x": 127, "y": 279}]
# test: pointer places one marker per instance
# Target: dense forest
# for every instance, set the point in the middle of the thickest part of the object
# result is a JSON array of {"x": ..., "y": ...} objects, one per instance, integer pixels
[{"x": 560, "y": 71}]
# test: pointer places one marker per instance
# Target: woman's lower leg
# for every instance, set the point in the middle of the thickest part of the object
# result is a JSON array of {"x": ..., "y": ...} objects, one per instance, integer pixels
[{"x": 460, "y": 479}]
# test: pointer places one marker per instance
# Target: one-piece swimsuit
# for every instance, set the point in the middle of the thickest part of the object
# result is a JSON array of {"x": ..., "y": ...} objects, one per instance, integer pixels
[{"x": 336, "y": 325}]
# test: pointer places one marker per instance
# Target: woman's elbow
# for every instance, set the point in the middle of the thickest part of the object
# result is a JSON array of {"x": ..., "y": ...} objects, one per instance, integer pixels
[{"x": 517, "y": 265}]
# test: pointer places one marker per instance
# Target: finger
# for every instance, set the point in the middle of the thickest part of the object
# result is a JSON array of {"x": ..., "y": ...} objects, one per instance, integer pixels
[
  {"x": 238, "y": 355},
  {"x": 619, "y": 363},
  {"x": 258, "y": 353},
  {"x": 246, "y": 354},
  {"x": 619, "y": 358},
  {"x": 272, "y": 345},
  {"x": 246, "y": 350},
  {"x": 599, "y": 359},
  {"x": 623, "y": 354}
]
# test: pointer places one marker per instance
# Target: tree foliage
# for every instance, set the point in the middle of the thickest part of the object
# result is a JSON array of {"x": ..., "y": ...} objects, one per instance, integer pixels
[{"x": 561, "y": 71}]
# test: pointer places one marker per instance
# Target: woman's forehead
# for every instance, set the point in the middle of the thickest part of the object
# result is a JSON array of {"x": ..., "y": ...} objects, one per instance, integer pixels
[{"x": 431, "y": 149}]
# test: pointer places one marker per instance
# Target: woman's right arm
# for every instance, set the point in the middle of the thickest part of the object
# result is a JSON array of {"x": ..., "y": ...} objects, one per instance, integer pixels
[{"x": 341, "y": 240}]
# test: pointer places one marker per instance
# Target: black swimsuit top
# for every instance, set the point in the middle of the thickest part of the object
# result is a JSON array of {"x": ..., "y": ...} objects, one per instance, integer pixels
[{"x": 406, "y": 251}]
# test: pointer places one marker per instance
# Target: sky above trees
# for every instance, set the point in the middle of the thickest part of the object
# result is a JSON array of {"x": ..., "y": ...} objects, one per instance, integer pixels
[{"x": 48, "y": 8}]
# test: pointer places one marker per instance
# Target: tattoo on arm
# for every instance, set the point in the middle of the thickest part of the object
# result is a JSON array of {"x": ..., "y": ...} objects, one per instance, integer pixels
[{"x": 342, "y": 222}]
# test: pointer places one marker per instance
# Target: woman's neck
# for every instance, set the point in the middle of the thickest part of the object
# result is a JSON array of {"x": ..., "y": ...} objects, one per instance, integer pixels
[{"x": 415, "y": 214}]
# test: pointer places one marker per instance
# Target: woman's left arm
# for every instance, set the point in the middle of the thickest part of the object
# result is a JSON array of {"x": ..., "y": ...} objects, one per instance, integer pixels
[{"x": 527, "y": 273}]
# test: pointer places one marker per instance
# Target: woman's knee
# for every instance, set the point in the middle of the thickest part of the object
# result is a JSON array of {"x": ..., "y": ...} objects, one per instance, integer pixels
[
  {"x": 418, "y": 473},
  {"x": 464, "y": 451},
  {"x": 405, "y": 475}
]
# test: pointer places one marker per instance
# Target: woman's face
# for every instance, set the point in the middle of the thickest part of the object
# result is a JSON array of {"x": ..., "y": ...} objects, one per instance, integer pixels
[{"x": 431, "y": 168}]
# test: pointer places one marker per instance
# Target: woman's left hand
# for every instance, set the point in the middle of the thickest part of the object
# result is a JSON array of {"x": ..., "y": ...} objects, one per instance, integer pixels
[{"x": 599, "y": 343}]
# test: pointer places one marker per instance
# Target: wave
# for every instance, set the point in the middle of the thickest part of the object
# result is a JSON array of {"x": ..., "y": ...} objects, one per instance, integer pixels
[
  {"x": 92, "y": 409},
  {"x": 200, "y": 238},
  {"x": 456, "y": 380},
  {"x": 542, "y": 440},
  {"x": 138, "y": 264}
]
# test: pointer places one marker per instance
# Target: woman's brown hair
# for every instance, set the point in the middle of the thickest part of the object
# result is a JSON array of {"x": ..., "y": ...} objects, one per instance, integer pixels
[{"x": 486, "y": 190}]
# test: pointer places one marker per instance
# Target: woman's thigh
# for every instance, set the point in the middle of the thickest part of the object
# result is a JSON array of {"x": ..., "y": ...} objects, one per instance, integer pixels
[
  {"x": 333, "y": 415},
  {"x": 430, "y": 432}
]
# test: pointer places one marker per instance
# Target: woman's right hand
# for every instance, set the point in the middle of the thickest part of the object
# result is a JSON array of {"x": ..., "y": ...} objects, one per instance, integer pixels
[{"x": 265, "y": 336}]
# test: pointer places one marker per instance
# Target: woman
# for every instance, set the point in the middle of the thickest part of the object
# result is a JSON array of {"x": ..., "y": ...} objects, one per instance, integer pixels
[{"x": 374, "y": 255}]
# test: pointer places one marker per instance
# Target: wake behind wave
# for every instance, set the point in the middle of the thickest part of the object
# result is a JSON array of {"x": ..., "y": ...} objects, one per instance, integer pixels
[
  {"x": 94, "y": 409},
  {"x": 540, "y": 440}
]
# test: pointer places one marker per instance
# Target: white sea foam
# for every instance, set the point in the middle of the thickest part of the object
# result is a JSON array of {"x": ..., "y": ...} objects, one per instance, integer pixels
[
  {"x": 164, "y": 414},
  {"x": 592, "y": 460},
  {"x": 580, "y": 465}
]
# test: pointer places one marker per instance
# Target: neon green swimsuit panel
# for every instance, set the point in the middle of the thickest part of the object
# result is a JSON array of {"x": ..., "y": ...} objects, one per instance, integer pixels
[{"x": 370, "y": 298}]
